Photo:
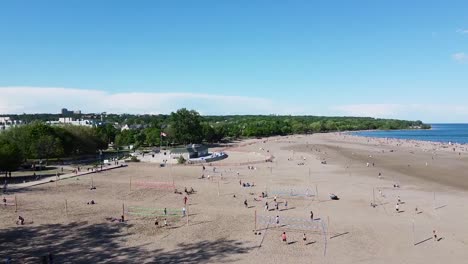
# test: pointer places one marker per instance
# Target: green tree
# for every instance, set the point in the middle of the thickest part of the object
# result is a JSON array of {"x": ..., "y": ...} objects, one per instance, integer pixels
[
  {"x": 47, "y": 146},
  {"x": 108, "y": 132},
  {"x": 152, "y": 136},
  {"x": 209, "y": 133},
  {"x": 186, "y": 126},
  {"x": 125, "y": 138},
  {"x": 11, "y": 156}
]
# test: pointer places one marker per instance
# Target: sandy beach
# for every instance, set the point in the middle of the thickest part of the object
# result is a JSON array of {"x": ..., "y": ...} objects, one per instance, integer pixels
[{"x": 432, "y": 178}]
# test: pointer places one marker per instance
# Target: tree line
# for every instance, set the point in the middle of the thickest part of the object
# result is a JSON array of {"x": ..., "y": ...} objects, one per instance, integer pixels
[{"x": 37, "y": 140}]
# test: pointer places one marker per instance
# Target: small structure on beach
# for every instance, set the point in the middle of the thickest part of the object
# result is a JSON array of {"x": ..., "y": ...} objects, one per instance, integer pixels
[{"x": 192, "y": 151}]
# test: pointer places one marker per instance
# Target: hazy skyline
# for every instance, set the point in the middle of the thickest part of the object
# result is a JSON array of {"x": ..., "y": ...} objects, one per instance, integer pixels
[{"x": 400, "y": 59}]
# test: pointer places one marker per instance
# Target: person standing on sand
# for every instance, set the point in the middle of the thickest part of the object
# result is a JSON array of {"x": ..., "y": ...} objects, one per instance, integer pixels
[
  {"x": 283, "y": 237},
  {"x": 277, "y": 219},
  {"x": 266, "y": 206},
  {"x": 311, "y": 216},
  {"x": 183, "y": 211},
  {"x": 245, "y": 203},
  {"x": 397, "y": 208},
  {"x": 185, "y": 200},
  {"x": 304, "y": 238},
  {"x": 434, "y": 234}
]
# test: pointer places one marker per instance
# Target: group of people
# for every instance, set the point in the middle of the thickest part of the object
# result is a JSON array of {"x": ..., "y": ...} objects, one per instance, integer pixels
[
  {"x": 192, "y": 191},
  {"x": 267, "y": 205},
  {"x": 284, "y": 238},
  {"x": 156, "y": 222},
  {"x": 397, "y": 206},
  {"x": 246, "y": 184}
]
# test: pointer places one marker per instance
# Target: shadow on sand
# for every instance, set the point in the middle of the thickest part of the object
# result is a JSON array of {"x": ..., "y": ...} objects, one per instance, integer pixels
[{"x": 82, "y": 243}]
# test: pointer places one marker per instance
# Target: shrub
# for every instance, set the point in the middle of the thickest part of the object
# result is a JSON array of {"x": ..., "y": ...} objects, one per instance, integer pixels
[{"x": 181, "y": 159}]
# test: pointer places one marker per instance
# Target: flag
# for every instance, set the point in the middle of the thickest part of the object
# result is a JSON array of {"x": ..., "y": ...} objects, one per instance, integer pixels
[{"x": 163, "y": 134}]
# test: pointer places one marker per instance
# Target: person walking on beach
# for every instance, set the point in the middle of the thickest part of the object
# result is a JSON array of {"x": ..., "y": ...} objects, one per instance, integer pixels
[
  {"x": 304, "y": 238},
  {"x": 397, "y": 207},
  {"x": 311, "y": 216},
  {"x": 165, "y": 211},
  {"x": 434, "y": 234},
  {"x": 185, "y": 200},
  {"x": 286, "y": 204},
  {"x": 277, "y": 219},
  {"x": 183, "y": 211},
  {"x": 266, "y": 206},
  {"x": 245, "y": 203}
]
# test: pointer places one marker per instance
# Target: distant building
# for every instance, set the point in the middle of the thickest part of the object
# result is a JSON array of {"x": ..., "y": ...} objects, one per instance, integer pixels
[
  {"x": 66, "y": 112},
  {"x": 71, "y": 121},
  {"x": 6, "y": 122}
]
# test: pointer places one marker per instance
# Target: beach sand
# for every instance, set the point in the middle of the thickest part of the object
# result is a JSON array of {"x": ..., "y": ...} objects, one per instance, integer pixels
[{"x": 220, "y": 229}]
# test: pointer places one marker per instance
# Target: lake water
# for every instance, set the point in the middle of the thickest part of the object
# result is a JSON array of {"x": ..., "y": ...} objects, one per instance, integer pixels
[{"x": 455, "y": 133}]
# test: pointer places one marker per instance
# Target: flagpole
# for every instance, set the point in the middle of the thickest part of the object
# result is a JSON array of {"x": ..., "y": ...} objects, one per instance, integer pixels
[{"x": 160, "y": 139}]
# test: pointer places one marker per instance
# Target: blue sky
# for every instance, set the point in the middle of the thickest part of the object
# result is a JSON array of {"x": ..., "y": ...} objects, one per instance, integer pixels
[{"x": 399, "y": 59}]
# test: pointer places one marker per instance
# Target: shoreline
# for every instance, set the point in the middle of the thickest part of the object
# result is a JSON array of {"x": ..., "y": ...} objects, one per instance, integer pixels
[
  {"x": 401, "y": 139},
  {"x": 414, "y": 160}
]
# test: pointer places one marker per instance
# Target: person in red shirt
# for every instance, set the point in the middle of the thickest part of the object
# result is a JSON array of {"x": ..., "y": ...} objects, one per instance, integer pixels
[
  {"x": 283, "y": 237},
  {"x": 185, "y": 200}
]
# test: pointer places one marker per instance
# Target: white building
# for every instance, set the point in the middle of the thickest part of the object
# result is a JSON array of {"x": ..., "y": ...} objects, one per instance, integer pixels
[
  {"x": 70, "y": 121},
  {"x": 6, "y": 123}
]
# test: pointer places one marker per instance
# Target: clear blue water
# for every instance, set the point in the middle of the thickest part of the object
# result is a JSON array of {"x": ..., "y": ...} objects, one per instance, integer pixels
[{"x": 455, "y": 133}]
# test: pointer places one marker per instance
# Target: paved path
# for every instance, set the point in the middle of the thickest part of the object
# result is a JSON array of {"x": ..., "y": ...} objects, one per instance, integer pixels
[{"x": 62, "y": 177}]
